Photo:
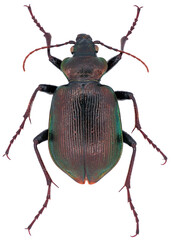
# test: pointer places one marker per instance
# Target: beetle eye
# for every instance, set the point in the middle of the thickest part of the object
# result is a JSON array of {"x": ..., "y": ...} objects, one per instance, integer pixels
[
  {"x": 72, "y": 49},
  {"x": 96, "y": 48}
]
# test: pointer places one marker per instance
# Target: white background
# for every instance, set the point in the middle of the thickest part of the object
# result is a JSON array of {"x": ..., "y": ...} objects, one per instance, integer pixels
[{"x": 79, "y": 211}]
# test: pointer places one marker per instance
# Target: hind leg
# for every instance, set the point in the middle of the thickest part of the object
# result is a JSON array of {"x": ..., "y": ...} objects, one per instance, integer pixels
[
  {"x": 131, "y": 142},
  {"x": 43, "y": 136}
]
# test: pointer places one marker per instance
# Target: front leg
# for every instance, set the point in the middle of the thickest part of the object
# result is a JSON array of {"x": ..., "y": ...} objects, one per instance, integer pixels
[
  {"x": 113, "y": 61},
  {"x": 43, "y": 88},
  {"x": 52, "y": 59},
  {"x": 55, "y": 61},
  {"x": 128, "y": 95}
]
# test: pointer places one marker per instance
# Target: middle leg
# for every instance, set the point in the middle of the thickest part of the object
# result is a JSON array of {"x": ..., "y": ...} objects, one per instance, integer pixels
[{"x": 121, "y": 95}]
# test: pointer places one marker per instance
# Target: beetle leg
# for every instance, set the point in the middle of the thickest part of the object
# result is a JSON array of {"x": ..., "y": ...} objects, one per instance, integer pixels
[
  {"x": 113, "y": 61},
  {"x": 39, "y": 139},
  {"x": 128, "y": 95},
  {"x": 121, "y": 95},
  {"x": 43, "y": 88},
  {"x": 54, "y": 60},
  {"x": 131, "y": 142}
]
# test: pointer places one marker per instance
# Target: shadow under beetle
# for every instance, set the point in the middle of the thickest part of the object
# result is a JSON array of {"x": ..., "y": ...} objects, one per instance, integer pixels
[{"x": 85, "y": 135}]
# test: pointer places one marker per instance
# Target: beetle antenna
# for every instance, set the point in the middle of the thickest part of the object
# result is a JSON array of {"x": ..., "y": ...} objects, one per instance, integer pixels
[
  {"x": 51, "y": 46},
  {"x": 117, "y": 50}
]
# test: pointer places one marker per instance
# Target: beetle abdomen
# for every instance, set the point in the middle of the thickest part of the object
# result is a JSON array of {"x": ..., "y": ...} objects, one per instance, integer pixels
[{"x": 85, "y": 135}]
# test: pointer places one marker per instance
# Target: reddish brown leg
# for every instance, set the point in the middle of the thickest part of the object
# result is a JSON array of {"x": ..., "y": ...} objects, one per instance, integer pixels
[
  {"x": 130, "y": 141},
  {"x": 113, "y": 61},
  {"x": 39, "y": 139},
  {"x": 52, "y": 59},
  {"x": 128, "y": 95},
  {"x": 46, "y": 35},
  {"x": 125, "y": 38},
  {"x": 43, "y": 88}
]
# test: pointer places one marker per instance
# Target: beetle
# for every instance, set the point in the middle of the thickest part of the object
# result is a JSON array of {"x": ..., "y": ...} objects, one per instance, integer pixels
[{"x": 85, "y": 135}]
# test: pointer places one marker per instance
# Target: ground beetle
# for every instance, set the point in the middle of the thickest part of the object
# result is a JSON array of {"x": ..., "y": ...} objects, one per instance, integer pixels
[{"x": 85, "y": 136}]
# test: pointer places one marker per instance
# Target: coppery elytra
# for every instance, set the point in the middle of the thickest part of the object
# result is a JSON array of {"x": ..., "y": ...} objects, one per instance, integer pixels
[{"x": 84, "y": 135}]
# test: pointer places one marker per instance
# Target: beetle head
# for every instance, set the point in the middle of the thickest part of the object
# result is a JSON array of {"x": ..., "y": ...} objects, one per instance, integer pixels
[{"x": 84, "y": 46}]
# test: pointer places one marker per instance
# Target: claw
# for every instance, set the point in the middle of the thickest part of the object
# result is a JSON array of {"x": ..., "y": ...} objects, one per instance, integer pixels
[
  {"x": 6, "y": 154},
  {"x": 28, "y": 231},
  {"x": 165, "y": 160},
  {"x": 138, "y": 6},
  {"x": 134, "y": 235}
]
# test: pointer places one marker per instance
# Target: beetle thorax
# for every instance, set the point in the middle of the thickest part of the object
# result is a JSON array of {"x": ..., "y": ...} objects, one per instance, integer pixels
[{"x": 84, "y": 68}]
